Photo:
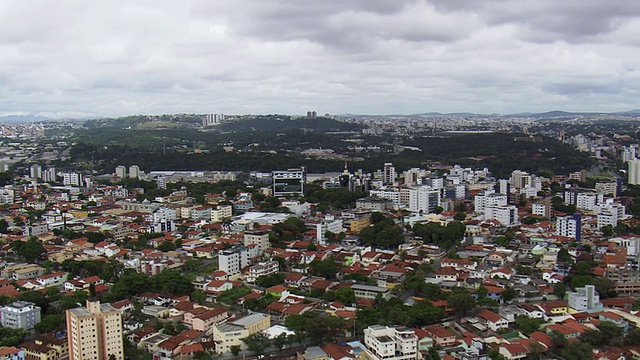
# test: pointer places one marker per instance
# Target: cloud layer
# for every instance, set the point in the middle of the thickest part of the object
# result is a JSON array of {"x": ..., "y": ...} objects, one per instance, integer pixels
[{"x": 110, "y": 58}]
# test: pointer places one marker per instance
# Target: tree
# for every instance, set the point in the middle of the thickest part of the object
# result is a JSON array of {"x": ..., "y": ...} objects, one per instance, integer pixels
[
  {"x": 461, "y": 303},
  {"x": 235, "y": 350},
  {"x": 198, "y": 296},
  {"x": 4, "y": 226},
  {"x": 167, "y": 246},
  {"x": 30, "y": 250},
  {"x": 257, "y": 342},
  {"x": 459, "y": 216},
  {"x": 559, "y": 290},
  {"x": 577, "y": 350},
  {"x": 171, "y": 282},
  {"x": 509, "y": 293},
  {"x": 528, "y": 325},
  {"x": 49, "y": 323},
  {"x": 346, "y": 296}
]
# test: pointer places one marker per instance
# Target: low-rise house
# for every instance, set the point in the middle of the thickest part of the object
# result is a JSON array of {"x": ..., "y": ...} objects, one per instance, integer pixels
[
  {"x": 492, "y": 320},
  {"x": 441, "y": 336}
]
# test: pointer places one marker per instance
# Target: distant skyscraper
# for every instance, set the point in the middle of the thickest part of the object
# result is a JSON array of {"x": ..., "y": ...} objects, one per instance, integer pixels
[
  {"x": 49, "y": 175},
  {"x": 35, "y": 171},
  {"x": 121, "y": 171},
  {"x": 389, "y": 175},
  {"x": 95, "y": 332},
  {"x": 134, "y": 171},
  {"x": 634, "y": 172}
]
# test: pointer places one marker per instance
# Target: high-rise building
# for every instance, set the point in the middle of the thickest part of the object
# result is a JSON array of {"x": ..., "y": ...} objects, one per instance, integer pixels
[
  {"x": 232, "y": 260},
  {"x": 20, "y": 315},
  {"x": 257, "y": 237},
  {"x": 35, "y": 171},
  {"x": 72, "y": 178},
  {"x": 95, "y": 332},
  {"x": 50, "y": 175},
  {"x": 121, "y": 171},
  {"x": 507, "y": 215},
  {"x": 634, "y": 172},
  {"x": 570, "y": 226},
  {"x": 134, "y": 171},
  {"x": 389, "y": 174}
]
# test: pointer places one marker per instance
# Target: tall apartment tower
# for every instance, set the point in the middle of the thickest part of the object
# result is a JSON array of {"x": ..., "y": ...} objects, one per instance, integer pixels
[
  {"x": 121, "y": 171},
  {"x": 95, "y": 332},
  {"x": 389, "y": 174},
  {"x": 35, "y": 171},
  {"x": 634, "y": 172},
  {"x": 134, "y": 171}
]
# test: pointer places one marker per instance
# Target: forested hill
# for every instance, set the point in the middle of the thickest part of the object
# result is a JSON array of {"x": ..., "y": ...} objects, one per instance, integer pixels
[
  {"x": 283, "y": 123},
  {"x": 261, "y": 123}
]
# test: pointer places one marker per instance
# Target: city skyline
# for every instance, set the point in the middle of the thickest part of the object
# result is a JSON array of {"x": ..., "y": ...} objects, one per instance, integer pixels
[{"x": 376, "y": 57}]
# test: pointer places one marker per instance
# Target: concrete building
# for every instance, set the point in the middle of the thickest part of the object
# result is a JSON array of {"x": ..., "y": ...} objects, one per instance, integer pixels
[
  {"x": 134, "y": 171},
  {"x": 20, "y": 315},
  {"x": 570, "y": 226},
  {"x": 231, "y": 333},
  {"x": 388, "y": 174},
  {"x": 391, "y": 343},
  {"x": 507, "y": 215},
  {"x": 256, "y": 237},
  {"x": 584, "y": 299},
  {"x": 35, "y": 171},
  {"x": 233, "y": 260},
  {"x": 423, "y": 199},
  {"x": 481, "y": 202},
  {"x": 289, "y": 182},
  {"x": 263, "y": 269},
  {"x": 121, "y": 171},
  {"x": 221, "y": 212},
  {"x": 95, "y": 332},
  {"x": 634, "y": 172}
]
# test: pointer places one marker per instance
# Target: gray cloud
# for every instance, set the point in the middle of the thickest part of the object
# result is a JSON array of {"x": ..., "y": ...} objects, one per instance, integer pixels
[{"x": 70, "y": 58}]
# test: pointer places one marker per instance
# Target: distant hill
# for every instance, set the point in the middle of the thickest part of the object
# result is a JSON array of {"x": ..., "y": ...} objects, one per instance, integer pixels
[
  {"x": 275, "y": 123},
  {"x": 23, "y": 118},
  {"x": 147, "y": 122}
]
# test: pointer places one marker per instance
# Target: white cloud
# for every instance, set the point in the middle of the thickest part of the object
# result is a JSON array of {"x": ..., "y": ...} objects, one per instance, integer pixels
[{"x": 376, "y": 56}]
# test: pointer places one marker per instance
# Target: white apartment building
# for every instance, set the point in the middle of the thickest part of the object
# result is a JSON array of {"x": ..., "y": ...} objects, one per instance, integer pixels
[
  {"x": 634, "y": 172},
  {"x": 20, "y": 315},
  {"x": 391, "y": 343},
  {"x": 569, "y": 226},
  {"x": 588, "y": 202},
  {"x": 72, "y": 179},
  {"x": 507, "y": 215},
  {"x": 232, "y": 260},
  {"x": 329, "y": 223},
  {"x": 134, "y": 171},
  {"x": 422, "y": 199},
  {"x": 390, "y": 194},
  {"x": 164, "y": 213},
  {"x": 481, "y": 202},
  {"x": 262, "y": 269},
  {"x": 121, "y": 171},
  {"x": 584, "y": 299},
  {"x": 521, "y": 179}
]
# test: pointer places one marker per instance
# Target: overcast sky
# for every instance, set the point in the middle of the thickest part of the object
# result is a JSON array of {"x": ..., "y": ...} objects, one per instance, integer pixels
[{"x": 110, "y": 58}]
